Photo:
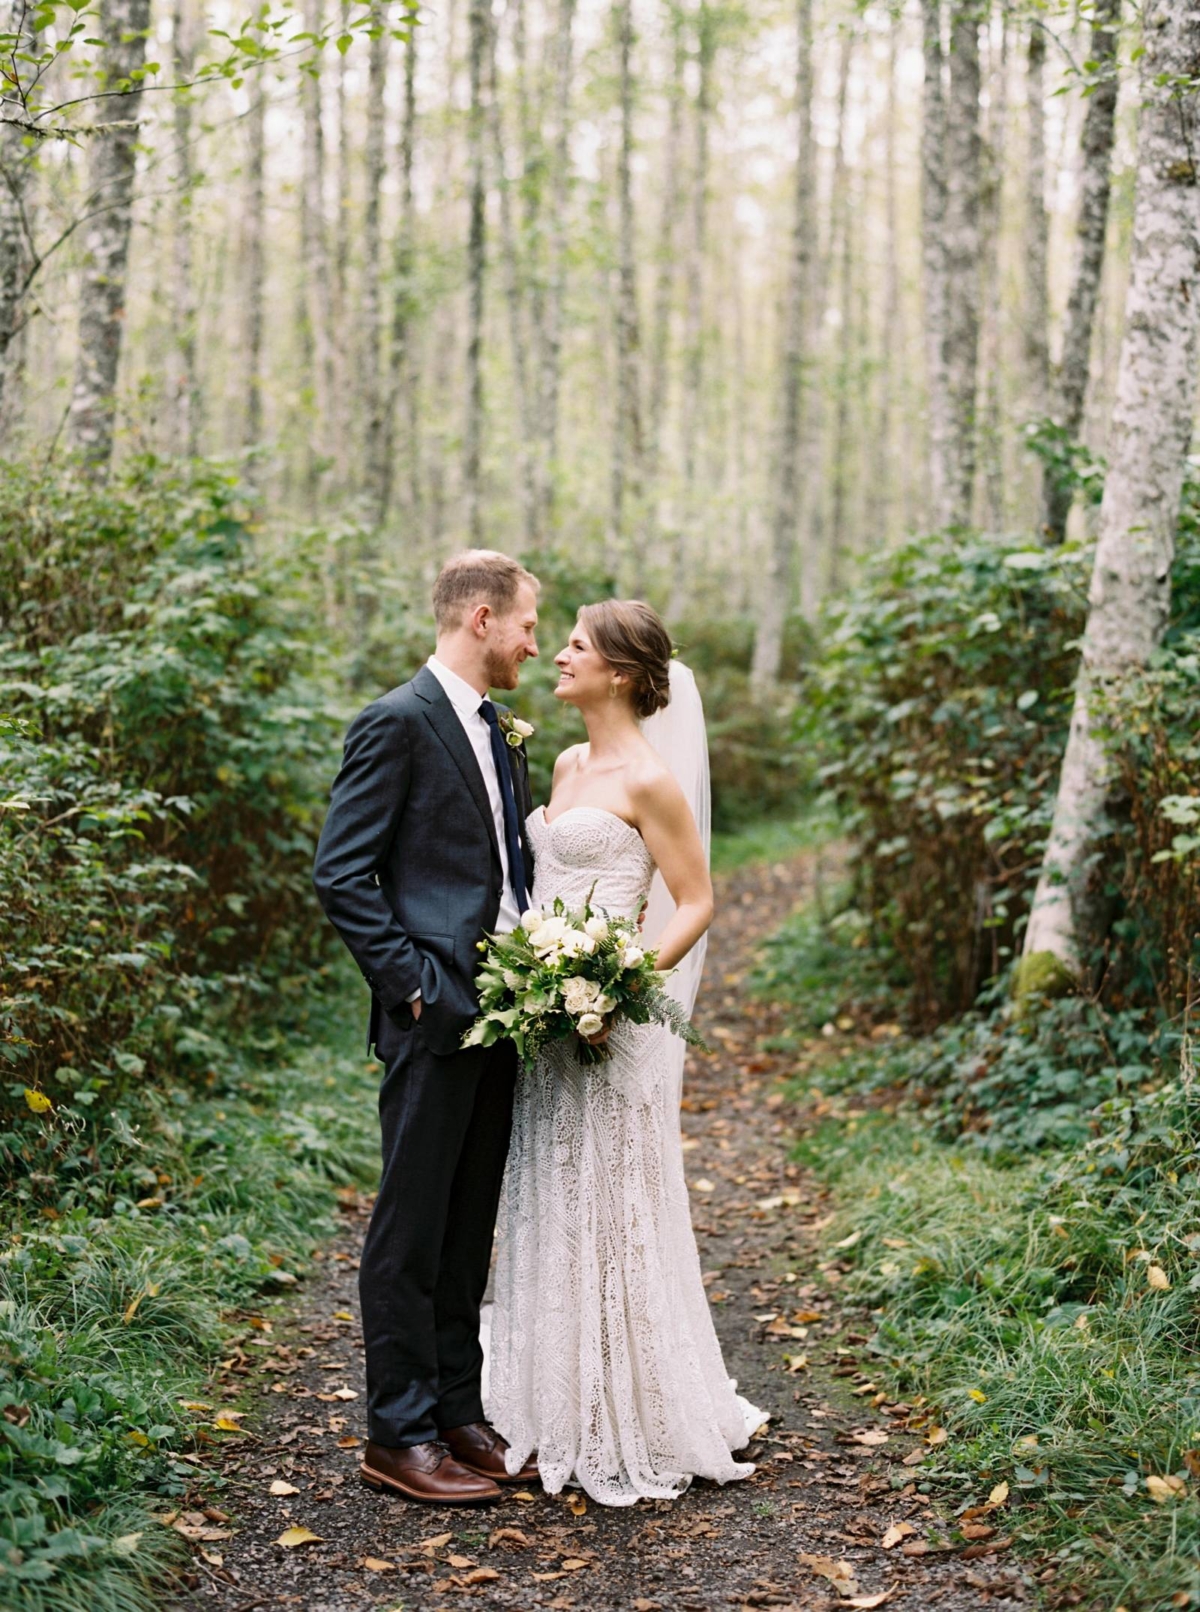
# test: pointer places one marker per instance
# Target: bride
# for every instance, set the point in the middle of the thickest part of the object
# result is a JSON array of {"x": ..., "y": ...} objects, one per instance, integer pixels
[{"x": 603, "y": 1357}]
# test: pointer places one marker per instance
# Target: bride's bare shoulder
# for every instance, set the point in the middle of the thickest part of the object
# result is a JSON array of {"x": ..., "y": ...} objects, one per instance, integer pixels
[
  {"x": 651, "y": 783},
  {"x": 568, "y": 761}
]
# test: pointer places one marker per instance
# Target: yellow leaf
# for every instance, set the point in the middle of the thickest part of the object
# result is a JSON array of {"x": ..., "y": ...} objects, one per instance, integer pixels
[
  {"x": 1157, "y": 1278},
  {"x": 936, "y": 1435},
  {"x": 839, "y": 1574},
  {"x": 345, "y": 1393},
  {"x": 342, "y": 1315},
  {"x": 703, "y": 1185},
  {"x": 796, "y": 1363},
  {"x": 524, "y": 1496},
  {"x": 138, "y": 1438},
  {"x": 577, "y": 1505},
  {"x": 37, "y": 1101},
  {"x": 374, "y": 1565},
  {"x": 227, "y": 1421},
  {"x": 131, "y": 1308},
  {"x": 897, "y": 1532},
  {"x": 291, "y": 1537},
  {"x": 978, "y": 1395},
  {"x": 280, "y": 1487},
  {"x": 195, "y": 1405},
  {"x": 998, "y": 1495},
  {"x": 1164, "y": 1489},
  {"x": 149, "y": 1203}
]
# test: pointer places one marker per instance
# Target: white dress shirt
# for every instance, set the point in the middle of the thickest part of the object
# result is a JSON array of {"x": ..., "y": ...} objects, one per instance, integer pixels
[{"x": 466, "y": 702}]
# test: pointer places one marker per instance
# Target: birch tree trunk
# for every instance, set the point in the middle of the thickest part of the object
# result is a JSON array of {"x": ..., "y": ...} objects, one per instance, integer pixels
[
  {"x": 314, "y": 254},
  {"x": 1090, "y": 230},
  {"x": 255, "y": 257},
  {"x": 372, "y": 373},
  {"x": 933, "y": 255},
  {"x": 1037, "y": 228},
  {"x": 963, "y": 157},
  {"x": 839, "y": 276},
  {"x": 665, "y": 265},
  {"x": 112, "y": 164},
  {"x": 626, "y": 477},
  {"x": 550, "y": 310},
  {"x": 1151, "y": 430},
  {"x": 883, "y": 478},
  {"x": 17, "y": 254},
  {"x": 991, "y": 425},
  {"x": 693, "y": 355},
  {"x": 402, "y": 386},
  {"x": 479, "y": 22},
  {"x": 778, "y": 581},
  {"x": 187, "y": 399}
]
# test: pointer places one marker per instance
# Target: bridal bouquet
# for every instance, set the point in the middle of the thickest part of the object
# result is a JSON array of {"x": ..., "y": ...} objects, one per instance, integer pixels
[{"x": 565, "y": 974}]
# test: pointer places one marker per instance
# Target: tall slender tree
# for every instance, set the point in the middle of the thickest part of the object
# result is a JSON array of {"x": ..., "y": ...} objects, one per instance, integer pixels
[
  {"x": 112, "y": 166},
  {"x": 626, "y": 476},
  {"x": 664, "y": 256},
  {"x": 550, "y": 305},
  {"x": 314, "y": 256},
  {"x": 1071, "y": 383},
  {"x": 1151, "y": 429},
  {"x": 992, "y": 412},
  {"x": 187, "y": 400},
  {"x": 480, "y": 25},
  {"x": 17, "y": 252},
  {"x": 934, "y": 262},
  {"x": 402, "y": 384},
  {"x": 962, "y": 247},
  {"x": 254, "y": 249},
  {"x": 1037, "y": 228},
  {"x": 779, "y": 581},
  {"x": 372, "y": 371}
]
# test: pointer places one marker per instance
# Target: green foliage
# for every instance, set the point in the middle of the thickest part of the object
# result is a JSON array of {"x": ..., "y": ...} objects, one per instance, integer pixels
[
  {"x": 165, "y": 766},
  {"x": 940, "y": 706},
  {"x": 1049, "y": 1313},
  {"x": 116, "y": 1296}
]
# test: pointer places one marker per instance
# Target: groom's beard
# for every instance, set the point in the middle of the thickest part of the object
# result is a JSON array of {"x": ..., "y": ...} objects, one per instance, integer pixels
[{"x": 502, "y": 670}]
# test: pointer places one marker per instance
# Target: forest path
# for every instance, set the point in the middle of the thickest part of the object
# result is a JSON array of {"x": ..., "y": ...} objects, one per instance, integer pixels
[{"x": 831, "y": 1479}]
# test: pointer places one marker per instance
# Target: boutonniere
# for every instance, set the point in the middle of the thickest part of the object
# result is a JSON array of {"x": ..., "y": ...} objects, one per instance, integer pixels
[{"x": 515, "y": 731}]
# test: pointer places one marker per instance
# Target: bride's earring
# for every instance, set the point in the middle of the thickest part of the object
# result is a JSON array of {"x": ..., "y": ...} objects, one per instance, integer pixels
[{"x": 612, "y": 691}]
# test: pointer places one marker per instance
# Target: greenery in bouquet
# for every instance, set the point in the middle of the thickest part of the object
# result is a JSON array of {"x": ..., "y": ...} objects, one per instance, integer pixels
[{"x": 570, "y": 974}]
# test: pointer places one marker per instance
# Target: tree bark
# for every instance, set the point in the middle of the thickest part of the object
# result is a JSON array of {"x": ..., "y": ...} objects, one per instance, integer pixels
[
  {"x": 693, "y": 338},
  {"x": 550, "y": 313},
  {"x": 255, "y": 256},
  {"x": 479, "y": 22},
  {"x": 1037, "y": 229},
  {"x": 16, "y": 246},
  {"x": 778, "y": 579},
  {"x": 963, "y": 157},
  {"x": 402, "y": 387},
  {"x": 112, "y": 164},
  {"x": 1151, "y": 430},
  {"x": 1090, "y": 230},
  {"x": 933, "y": 255},
  {"x": 841, "y": 262},
  {"x": 664, "y": 270},
  {"x": 372, "y": 382},
  {"x": 314, "y": 253},
  {"x": 991, "y": 425},
  {"x": 627, "y": 424},
  {"x": 882, "y": 490},
  {"x": 187, "y": 399}
]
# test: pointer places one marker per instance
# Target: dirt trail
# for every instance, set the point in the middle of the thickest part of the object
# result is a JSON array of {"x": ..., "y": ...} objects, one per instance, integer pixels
[{"x": 831, "y": 1477}]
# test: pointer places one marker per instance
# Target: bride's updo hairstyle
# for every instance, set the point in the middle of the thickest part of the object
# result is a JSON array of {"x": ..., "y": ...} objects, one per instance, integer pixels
[{"x": 632, "y": 639}]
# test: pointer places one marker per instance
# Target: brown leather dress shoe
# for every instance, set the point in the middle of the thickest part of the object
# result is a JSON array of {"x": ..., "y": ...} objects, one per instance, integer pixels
[
  {"x": 426, "y": 1472},
  {"x": 481, "y": 1449}
]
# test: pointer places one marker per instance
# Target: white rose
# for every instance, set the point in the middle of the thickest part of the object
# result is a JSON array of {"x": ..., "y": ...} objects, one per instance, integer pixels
[
  {"x": 531, "y": 920},
  {"x": 631, "y": 956},
  {"x": 603, "y": 1004},
  {"x": 597, "y": 928},
  {"x": 525, "y": 729},
  {"x": 548, "y": 935},
  {"x": 590, "y": 1024},
  {"x": 578, "y": 994}
]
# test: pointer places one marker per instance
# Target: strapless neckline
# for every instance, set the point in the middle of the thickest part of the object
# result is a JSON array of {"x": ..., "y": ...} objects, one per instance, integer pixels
[{"x": 600, "y": 811}]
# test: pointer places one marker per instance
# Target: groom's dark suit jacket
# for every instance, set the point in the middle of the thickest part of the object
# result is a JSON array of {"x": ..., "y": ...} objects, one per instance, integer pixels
[{"x": 408, "y": 868}]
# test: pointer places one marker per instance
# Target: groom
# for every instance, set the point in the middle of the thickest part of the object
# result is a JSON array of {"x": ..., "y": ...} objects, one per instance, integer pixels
[{"x": 422, "y": 851}]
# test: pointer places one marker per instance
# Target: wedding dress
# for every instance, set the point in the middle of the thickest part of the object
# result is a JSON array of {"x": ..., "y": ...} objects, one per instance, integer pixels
[{"x": 603, "y": 1356}]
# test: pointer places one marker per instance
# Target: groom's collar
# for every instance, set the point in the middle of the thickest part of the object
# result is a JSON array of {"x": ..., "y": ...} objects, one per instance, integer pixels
[{"x": 465, "y": 699}]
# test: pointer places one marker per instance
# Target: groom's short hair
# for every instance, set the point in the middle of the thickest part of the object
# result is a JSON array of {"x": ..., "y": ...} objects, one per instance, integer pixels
[{"x": 475, "y": 576}]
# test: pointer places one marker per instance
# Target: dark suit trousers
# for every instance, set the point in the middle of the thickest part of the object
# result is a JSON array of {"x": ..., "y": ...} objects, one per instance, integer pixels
[{"x": 445, "y": 1124}]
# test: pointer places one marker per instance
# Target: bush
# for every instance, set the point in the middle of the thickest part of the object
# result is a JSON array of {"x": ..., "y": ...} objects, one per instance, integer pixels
[{"x": 165, "y": 758}]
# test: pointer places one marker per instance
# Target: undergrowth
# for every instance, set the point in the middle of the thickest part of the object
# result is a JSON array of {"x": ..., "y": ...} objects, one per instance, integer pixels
[{"x": 113, "y": 1309}]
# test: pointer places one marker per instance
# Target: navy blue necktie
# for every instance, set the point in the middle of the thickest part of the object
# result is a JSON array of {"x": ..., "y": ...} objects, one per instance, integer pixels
[{"x": 512, "y": 827}]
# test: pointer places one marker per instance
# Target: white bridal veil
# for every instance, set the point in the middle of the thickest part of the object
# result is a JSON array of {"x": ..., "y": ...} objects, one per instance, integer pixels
[{"x": 680, "y": 737}]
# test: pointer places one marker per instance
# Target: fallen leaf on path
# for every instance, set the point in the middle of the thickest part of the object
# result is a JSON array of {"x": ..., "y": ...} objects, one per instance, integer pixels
[
  {"x": 870, "y": 1437},
  {"x": 703, "y": 1185},
  {"x": 977, "y": 1530},
  {"x": 915, "y": 1457},
  {"x": 1164, "y": 1489},
  {"x": 936, "y": 1435},
  {"x": 973, "y": 1552},
  {"x": 574, "y": 1563},
  {"x": 460, "y": 1561},
  {"x": 897, "y": 1532},
  {"x": 349, "y": 1442},
  {"x": 291, "y": 1537},
  {"x": 481, "y": 1575},
  {"x": 524, "y": 1496},
  {"x": 796, "y": 1363},
  {"x": 915, "y": 1547},
  {"x": 998, "y": 1495},
  {"x": 577, "y": 1505},
  {"x": 849, "y": 1242},
  {"x": 437, "y": 1542},
  {"x": 1157, "y": 1278},
  {"x": 228, "y": 1421},
  {"x": 867, "y": 1601},
  {"x": 374, "y": 1564},
  {"x": 509, "y": 1536},
  {"x": 839, "y": 1574},
  {"x": 280, "y": 1487}
]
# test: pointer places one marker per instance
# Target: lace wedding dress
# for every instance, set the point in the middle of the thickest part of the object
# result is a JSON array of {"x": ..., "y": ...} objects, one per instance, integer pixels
[{"x": 603, "y": 1356}]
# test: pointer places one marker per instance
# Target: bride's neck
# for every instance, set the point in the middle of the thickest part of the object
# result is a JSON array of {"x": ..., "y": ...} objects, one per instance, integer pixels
[{"x": 610, "y": 726}]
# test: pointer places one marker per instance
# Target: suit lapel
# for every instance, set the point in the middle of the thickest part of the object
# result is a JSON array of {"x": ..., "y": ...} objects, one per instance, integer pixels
[{"x": 443, "y": 719}]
